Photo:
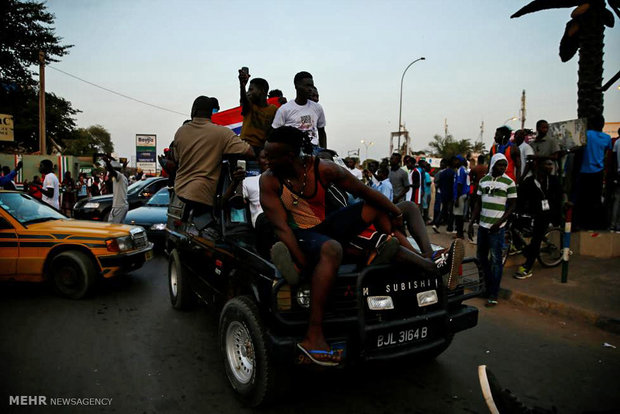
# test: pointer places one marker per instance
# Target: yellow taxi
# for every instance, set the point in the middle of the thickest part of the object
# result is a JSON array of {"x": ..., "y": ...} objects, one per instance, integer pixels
[{"x": 39, "y": 244}]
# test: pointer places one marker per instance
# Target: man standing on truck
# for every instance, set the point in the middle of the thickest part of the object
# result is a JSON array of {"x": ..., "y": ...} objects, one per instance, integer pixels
[
  {"x": 303, "y": 113},
  {"x": 199, "y": 146},
  {"x": 293, "y": 198},
  {"x": 257, "y": 113}
]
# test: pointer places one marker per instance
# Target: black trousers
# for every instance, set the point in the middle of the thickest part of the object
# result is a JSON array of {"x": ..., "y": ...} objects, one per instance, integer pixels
[
  {"x": 531, "y": 252},
  {"x": 265, "y": 237},
  {"x": 590, "y": 213}
]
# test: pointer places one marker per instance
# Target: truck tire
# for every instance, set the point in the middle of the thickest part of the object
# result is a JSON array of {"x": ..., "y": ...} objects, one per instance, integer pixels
[
  {"x": 248, "y": 363},
  {"x": 73, "y": 274},
  {"x": 181, "y": 295}
]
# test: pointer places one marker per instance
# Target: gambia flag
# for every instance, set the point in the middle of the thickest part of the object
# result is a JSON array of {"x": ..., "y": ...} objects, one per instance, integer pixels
[{"x": 232, "y": 118}]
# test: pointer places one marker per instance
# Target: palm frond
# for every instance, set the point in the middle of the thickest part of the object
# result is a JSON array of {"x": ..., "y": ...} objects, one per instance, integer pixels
[
  {"x": 538, "y": 5},
  {"x": 615, "y": 6}
]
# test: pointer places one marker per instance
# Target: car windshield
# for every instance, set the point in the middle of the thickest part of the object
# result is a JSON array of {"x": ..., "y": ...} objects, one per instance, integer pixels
[
  {"x": 27, "y": 210},
  {"x": 135, "y": 187},
  {"x": 160, "y": 199}
]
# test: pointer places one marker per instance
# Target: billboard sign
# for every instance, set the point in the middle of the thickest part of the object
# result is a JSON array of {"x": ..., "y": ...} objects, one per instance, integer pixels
[
  {"x": 569, "y": 134},
  {"x": 6, "y": 127},
  {"x": 146, "y": 152}
]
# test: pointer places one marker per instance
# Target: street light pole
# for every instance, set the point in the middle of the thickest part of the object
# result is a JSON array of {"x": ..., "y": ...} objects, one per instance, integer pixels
[
  {"x": 367, "y": 144},
  {"x": 400, "y": 108}
]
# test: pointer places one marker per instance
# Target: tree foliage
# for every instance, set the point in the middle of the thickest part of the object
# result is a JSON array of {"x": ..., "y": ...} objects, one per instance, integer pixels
[
  {"x": 584, "y": 32},
  {"x": 25, "y": 29},
  {"x": 23, "y": 104},
  {"x": 448, "y": 146},
  {"x": 89, "y": 141}
]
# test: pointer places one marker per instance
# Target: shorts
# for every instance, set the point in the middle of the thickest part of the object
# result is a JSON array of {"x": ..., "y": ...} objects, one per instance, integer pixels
[{"x": 342, "y": 226}]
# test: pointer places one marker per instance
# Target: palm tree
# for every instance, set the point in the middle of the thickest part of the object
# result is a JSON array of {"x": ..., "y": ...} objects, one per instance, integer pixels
[{"x": 584, "y": 32}]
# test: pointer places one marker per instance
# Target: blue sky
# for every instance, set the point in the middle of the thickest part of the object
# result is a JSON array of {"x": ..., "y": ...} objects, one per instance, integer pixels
[{"x": 477, "y": 63}]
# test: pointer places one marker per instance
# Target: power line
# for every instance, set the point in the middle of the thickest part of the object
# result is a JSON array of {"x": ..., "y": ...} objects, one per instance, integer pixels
[{"x": 116, "y": 93}]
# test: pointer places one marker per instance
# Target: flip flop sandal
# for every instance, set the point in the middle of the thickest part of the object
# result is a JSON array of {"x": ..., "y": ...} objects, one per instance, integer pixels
[
  {"x": 312, "y": 353},
  {"x": 384, "y": 252}
]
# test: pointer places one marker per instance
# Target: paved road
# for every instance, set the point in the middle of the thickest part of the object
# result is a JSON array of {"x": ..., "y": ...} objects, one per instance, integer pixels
[{"x": 128, "y": 344}]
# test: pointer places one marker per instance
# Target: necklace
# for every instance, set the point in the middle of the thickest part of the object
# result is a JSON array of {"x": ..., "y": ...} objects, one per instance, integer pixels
[{"x": 303, "y": 186}]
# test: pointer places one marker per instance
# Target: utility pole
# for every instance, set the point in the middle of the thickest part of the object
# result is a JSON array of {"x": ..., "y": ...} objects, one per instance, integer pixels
[
  {"x": 445, "y": 128},
  {"x": 481, "y": 130},
  {"x": 42, "y": 139},
  {"x": 523, "y": 109}
]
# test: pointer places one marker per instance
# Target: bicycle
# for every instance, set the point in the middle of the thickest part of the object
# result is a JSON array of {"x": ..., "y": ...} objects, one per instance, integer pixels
[{"x": 518, "y": 234}]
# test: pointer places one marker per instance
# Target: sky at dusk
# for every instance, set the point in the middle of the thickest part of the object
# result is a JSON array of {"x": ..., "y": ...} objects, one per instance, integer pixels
[{"x": 477, "y": 63}]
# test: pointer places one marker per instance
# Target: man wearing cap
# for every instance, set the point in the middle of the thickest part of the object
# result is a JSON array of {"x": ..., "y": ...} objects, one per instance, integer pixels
[{"x": 199, "y": 146}]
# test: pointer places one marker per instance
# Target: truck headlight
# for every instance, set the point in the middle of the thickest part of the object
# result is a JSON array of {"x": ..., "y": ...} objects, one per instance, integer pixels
[
  {"x": 303, "y": 297},
  {"x": 427, "y": 298},
  {"x": 158, "y": 226},
  {"x": 380, "y": 302},
  {"x": 91, "y": 204}
]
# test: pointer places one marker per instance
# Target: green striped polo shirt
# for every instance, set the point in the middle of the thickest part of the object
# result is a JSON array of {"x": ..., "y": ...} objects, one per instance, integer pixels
[{"x": 494, "y": 193}]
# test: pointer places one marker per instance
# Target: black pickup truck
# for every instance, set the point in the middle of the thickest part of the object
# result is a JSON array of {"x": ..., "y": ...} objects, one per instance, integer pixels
[{"x": 374, "y": 313}]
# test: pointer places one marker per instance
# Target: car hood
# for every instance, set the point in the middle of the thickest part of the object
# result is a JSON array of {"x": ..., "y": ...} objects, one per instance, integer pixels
[
  {"x": 147, "y": 215},
  {"x": 81, "y": 228},
  {"x": 98, "y": 199}
]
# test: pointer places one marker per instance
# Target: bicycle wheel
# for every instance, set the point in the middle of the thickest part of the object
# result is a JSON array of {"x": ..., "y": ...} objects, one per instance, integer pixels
[
  {"x": 551, "y": 248},
  {"x": 507, "y": 245}
]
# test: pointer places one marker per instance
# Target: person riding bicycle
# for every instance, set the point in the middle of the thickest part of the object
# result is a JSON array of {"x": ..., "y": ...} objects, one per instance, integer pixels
[{"x": 540, "y": 197}]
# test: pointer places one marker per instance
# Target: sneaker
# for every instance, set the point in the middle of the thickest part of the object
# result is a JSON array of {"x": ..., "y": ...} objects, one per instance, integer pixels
[
  {"x": 448, "y": 262},
  {"x": 435, "y": 229},
  {"x": 491, "y": 303},
  {"x": 282, "y": 260},
  {"x": 523, "y": 273}
]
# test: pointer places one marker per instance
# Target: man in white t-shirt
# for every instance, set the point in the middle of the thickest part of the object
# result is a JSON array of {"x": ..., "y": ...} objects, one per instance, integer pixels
[
  {"x": 525, "y": 150},
  {"x": 251, "y": 194},
  {"x": 50, "y": 189},
  {"x": 350, "y": 163},
  {"x": 120, "y": 205},
  {"x": 303, "y": 113}
]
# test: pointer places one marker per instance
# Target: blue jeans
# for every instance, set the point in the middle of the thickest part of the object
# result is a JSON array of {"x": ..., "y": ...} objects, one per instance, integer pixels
[{"x": 491, "y": 243}]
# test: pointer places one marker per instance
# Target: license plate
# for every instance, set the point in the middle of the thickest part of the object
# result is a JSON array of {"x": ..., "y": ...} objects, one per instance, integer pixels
[
  {"x": 399, "y": 337},
  {"x": 149, "y": 255}
]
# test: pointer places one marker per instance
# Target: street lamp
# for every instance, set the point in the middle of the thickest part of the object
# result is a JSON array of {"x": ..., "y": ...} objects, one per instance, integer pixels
[
  {"x": 514, "y": 118},
  {"x": 400, "y": 108},
  {"x": 367, "y": 144}
]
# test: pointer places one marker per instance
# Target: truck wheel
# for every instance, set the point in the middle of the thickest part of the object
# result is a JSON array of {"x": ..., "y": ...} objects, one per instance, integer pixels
[
  {"x": 181, "y": 295},
  {"x": 248, "y": 363},
  {"x": 73, "y": 274}
]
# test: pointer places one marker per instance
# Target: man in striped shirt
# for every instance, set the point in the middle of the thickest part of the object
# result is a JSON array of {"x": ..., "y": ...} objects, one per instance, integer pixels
[{"x": 497, "y": 199}]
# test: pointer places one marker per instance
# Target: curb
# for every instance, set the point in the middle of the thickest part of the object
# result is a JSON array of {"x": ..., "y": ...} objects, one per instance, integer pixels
[{"x": 562, "y": 309}]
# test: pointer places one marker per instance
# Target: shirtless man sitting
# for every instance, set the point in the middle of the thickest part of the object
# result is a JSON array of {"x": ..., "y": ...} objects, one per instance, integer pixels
[{"x": 293, "y": 199}]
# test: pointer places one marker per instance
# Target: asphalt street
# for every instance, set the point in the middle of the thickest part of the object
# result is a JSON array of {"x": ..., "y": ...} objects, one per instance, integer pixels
[{"x": 126, "y": 343}]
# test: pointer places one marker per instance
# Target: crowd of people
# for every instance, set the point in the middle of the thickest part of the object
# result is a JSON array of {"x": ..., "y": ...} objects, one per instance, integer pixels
[
  {"x": 310, "y": 214},
  {"x": 62, "y": 195}
]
